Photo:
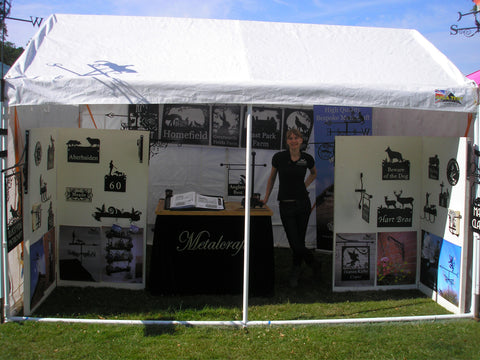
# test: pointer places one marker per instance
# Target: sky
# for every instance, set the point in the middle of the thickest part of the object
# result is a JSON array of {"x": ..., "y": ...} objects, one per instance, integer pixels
[{"x": 433, "y": 19}]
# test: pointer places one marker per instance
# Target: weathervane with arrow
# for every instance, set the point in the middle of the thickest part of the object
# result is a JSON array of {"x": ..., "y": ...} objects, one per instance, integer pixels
[
  {"x": 472, "y": 30},
  {"x": 5, "y": 7}
]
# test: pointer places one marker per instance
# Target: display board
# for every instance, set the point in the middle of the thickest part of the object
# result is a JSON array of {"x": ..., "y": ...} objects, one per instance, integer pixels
[
  {"x": 85, "y": 201},
  {"x": 39, "y": 216},
  {"x": 401, "y": 216}
]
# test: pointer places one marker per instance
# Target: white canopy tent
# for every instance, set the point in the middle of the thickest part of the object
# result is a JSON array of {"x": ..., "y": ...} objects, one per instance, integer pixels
[
  {"x": 84, "y": 59},
  {"x": 77, "y": 60}
]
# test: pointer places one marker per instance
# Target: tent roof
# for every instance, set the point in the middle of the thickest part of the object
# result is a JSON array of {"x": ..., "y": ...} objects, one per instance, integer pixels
[{"x": 85, "y": 59}]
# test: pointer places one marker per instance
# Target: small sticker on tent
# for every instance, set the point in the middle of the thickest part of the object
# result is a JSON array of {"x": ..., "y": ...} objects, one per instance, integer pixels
[{"x": 447, "y": 96}]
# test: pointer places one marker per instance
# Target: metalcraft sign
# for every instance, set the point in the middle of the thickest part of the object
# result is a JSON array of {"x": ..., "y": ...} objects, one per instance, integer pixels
[{"x": 475, "y": 222}]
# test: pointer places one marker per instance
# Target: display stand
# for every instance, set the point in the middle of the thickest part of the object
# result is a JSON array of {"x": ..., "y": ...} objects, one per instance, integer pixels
[
  {"x": 412, "y": 230},
  {"x": 85, "y": 210}
]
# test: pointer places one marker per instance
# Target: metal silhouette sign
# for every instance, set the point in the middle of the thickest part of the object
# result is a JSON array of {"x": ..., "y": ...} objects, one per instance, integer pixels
[
  {"x": 453, "y": 172},
  {"x": 364, "y": 203},
  {"x": 51, "y": 154},
  {"x": 115, "y": 180},
  {"x": 186, "y": 124},
  {"x": 395, "y": 167},
  {"x": 471, "y": 28},
  {"x": 396, "y": 212},
  {"x": 78, "y": 194},
  {"x": 433, "y": 167},
  {"x": 226, "y": 125},
  {"x": 444, "y": 196},
  {"x": 83, "y": 153},
  {"x": 113, "y": 212},
  {"x": 429, "y": 210}
]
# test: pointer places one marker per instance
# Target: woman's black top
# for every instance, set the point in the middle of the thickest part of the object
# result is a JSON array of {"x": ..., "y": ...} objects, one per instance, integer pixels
[{"x": 291, "y": 174}]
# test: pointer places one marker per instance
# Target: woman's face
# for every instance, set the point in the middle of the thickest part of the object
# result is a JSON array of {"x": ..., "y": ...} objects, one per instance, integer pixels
[{"x": 294, "y": 141}]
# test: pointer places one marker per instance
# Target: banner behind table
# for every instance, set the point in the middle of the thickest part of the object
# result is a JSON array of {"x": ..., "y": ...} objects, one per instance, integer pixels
[{"x": 204, "y": 255}]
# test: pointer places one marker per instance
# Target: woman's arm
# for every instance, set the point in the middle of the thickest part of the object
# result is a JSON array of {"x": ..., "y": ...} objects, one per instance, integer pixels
[
  {"x": 270, "y": 182},
  {"x": 311, "y": 177}
]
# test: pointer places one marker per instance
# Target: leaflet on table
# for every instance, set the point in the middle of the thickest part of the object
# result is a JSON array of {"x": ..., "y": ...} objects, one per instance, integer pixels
[{"x": 192, "y": 200}]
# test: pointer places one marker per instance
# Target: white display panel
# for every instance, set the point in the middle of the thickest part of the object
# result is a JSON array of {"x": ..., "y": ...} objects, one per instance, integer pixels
[
  {"x": 85, "y": 210},
  {"x": 401, "y": 210}
]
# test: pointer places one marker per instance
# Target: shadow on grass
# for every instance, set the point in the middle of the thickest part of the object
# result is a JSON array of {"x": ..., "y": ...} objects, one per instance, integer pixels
[{"x": 153, "y": 330}]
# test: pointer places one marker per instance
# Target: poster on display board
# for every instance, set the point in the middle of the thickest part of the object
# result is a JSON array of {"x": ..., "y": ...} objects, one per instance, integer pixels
[
  {"x": 354, "y": 259},
  {"x": 300, "y": 119},
  {"x": 441, "y": 264},
  {"x": 266, "y": 128},
  {"x": 101, "y": 254},
  {"x": 14, "y": 205},
  {"x": 142, "y": 117},
  {"x": 42, "y": 266},
  {"x": 226, "y": 125},
  {"x": 15, "y": 245},
  {"x": 417, "y": 189},
  {"x": 396, "y": 258},
  {"x": 186, "y": 124}
]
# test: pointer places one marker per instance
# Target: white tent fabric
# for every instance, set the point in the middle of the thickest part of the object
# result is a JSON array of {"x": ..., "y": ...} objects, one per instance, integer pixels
[{"x": 85, "y": 59}]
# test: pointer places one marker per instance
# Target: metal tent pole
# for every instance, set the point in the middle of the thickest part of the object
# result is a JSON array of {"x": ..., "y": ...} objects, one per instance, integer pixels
[
  {"x": 3, "y": 213},
  {"x": 3, "y": 251},
  {"x": 476, "y": 236},
  {"x": 394, "y": 319},
  {"x": 246, "y": 241}
]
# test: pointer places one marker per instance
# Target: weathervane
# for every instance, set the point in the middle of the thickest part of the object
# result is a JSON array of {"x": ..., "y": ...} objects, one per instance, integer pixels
[
  {"x": 5, "y": 10},
  {"x": 468, "y": 31}
]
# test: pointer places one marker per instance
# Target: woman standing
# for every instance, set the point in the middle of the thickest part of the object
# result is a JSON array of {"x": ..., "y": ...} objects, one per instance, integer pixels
[{"x": 291, "y": 166}]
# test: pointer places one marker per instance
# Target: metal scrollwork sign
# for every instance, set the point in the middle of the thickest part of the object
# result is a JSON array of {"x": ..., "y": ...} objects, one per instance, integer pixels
[{"x": 468, "y": 31}]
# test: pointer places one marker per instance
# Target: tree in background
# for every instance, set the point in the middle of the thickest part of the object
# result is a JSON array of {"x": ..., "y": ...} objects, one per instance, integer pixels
[
  {"x": 10, "y": 51},
  {"x": 5, "y": 7}
]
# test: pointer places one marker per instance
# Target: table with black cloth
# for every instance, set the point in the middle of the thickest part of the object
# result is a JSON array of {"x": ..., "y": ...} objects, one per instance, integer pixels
[{"x": 201, "y": 251}]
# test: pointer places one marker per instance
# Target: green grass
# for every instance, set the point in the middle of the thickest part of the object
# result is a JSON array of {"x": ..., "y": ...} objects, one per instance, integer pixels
[
  {"x": 453, "y": 339},
  {"x": 313, "y": 299}
]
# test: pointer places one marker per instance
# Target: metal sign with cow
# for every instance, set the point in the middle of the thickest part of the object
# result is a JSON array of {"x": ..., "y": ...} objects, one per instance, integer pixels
[
  {"x": 266, "y": 128},
  {"x": 86, "y": 152}
]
